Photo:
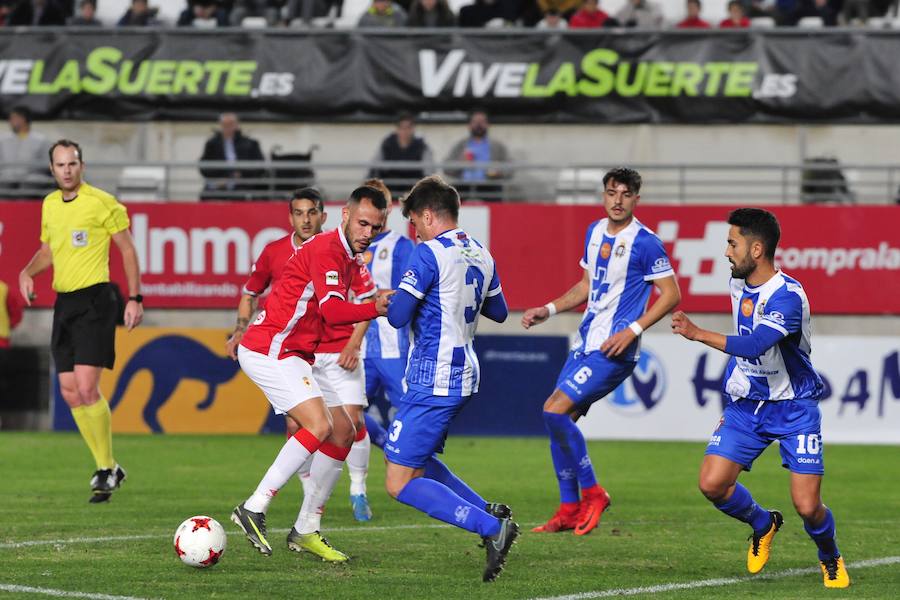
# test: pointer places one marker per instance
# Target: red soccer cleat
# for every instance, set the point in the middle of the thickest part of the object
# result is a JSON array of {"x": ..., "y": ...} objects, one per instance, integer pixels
[
  {"x": 593, "y": 503},
  {"x": 565, "y": 518}
]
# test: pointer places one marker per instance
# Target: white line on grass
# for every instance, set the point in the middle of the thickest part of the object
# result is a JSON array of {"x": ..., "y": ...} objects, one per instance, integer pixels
[
  {"x": 24, "y": 589},
  {"x": 703, "y": 583}
]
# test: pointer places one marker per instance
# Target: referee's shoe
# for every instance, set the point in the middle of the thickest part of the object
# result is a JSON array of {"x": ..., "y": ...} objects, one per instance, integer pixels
[{"x": 104, "y": 482}]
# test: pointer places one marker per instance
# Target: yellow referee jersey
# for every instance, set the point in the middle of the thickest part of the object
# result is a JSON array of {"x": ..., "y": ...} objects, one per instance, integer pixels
[{"x": 78, "y": 233}]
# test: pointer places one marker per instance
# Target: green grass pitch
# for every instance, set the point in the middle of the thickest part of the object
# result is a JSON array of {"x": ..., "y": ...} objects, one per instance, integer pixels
[{"x": 659, "y": 530}]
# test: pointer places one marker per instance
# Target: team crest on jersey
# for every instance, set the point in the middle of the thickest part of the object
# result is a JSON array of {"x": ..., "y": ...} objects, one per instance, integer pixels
[
  {"x": 79, "y": 238},
  {"x": 761, "y": 308},
  {"x": 720, "y": 423},
  {"x": 620, "y": 250},
  {"x": 383, "y": 254},
  {"x": 331, "y": 278},
  {"x": 747, "y": 307},
  {"x": 605, "y": 250},
  {"x": 367, "y": 257},
  {"x": 306, "y": 382}
]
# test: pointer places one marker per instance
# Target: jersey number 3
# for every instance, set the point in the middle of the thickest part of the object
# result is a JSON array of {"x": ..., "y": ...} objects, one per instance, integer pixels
[{"x": 475, "y": 281}]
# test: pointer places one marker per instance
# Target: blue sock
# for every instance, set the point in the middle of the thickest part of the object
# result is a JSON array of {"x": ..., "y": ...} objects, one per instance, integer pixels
[
  {"x": 742, "y": 507},
  {"x": 565, "y": 474},
  {"x": 440, "y": 502},
  {"x": 571, "y": 442},
  {"x": 438, "y": 471},
  {"x": 377, "y": 433},
  {"x": 823, "y": 535}
]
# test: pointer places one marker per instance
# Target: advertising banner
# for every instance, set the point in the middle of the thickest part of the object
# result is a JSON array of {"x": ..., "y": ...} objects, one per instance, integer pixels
[
  {"x": 199, "y": 255},
  {"x": 593, "y": 76}
]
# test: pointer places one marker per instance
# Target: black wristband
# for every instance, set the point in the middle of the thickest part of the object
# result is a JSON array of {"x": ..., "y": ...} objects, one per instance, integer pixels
[{"x": 139, "y": 298}]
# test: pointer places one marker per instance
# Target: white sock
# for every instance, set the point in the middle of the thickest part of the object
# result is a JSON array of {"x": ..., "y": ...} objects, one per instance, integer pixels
[
  {"x": 292, "y": 456},
  {"x": 358, "y": 465},
  {"x": 305, "y": 480},
  {"x": 324, "y": 474}
]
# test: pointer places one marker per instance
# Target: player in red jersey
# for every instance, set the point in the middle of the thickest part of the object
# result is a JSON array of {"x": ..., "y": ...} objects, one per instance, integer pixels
[{"x": 278, "y": 350}]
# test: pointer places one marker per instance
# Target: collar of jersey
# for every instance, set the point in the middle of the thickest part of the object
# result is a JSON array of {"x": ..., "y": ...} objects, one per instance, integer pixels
[
  {"x": 443, "y": 233},
  {"x": 760, "y": 287},
  {"x": 347, "y": 247},
  {"x": 381, "y": 236}
]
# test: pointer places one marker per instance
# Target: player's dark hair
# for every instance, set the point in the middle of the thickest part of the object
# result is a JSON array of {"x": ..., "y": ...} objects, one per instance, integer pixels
[
  {"x": 308, "y": 193},
  {"x": 22, "y": 111},
  {"x": 405, "y": 116},
  {"x": 381, "y": 186},
  {"x": 629, "y": 177},
  {"x": 373, "y": 194},
  {"x": 760, "y": 224},
  {"x": 434, "y": 194},
  {"x": 66, "y": 144}
]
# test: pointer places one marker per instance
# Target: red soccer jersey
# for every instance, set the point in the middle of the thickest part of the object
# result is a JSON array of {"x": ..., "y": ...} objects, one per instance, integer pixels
[
  {"x": 268, "y": 267},
  {"x": 321, "y": 269},
  {"x": 335, "y": 337}
]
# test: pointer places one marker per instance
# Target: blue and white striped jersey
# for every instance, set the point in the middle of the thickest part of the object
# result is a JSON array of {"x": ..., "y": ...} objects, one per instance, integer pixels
[
  {"x": 784, "y": 372},
  {"x": 622, "y": 270},
  {"x": 451, "y": 276},
  {"x": 386, "y": 259}
]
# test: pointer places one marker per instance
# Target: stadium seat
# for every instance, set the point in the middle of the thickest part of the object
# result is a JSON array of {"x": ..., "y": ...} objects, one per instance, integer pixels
[
  {"x": 878, "y": 23},
  {"x": 350, "y": 13},
  {"x": 811, "y": 22},
  {"x": 579, "y": 186},
  {"x": 254, "y": 22},
  {"x": 762, "y": 22},
  {"x": 139, "y": 183},
  {"x": 205, "y": 23}
]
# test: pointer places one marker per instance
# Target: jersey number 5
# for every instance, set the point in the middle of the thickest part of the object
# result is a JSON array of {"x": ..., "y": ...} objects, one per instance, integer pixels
[{"x": 474, "y": 280}]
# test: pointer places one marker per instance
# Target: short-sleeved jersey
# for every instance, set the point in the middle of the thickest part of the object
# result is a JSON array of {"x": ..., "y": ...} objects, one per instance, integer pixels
[
  {"x": 785, "y": 371},
  {"x": 334, "y": 337},
  {"x": 451, "y": 276},
  {"x": 622, "y": 269},
  {"x": 291, "y": 324},
  {"x": 78, "y": 233},
  {"x": 269, "y": 265},
  {"x": 387, "y": 258}
]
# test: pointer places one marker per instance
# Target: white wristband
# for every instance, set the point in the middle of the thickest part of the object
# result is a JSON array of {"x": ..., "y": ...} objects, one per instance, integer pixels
[
  {"x": 551, "y": 307},
  {"x": 636, "y": 328}
]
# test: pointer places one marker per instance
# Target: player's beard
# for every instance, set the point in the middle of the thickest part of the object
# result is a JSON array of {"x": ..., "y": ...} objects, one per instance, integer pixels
[
  {"x": 356, "y": 245},
  {"x": 744, "y": 269}
]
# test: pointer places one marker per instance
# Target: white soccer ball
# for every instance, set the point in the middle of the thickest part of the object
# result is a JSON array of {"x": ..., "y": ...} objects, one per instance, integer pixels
[{"x": 200, "y": 542}]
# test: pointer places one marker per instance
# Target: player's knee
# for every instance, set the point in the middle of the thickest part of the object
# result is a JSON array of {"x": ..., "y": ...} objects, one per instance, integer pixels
[
  {"x": 714, "y": 489},
  {"x": 321, "y": 429},
  {"x": 88, "y": 394},
  {"x": 393, "y": 487},
  {"x": 70, "y": 396},
  {"x": 808, "y": 509}
]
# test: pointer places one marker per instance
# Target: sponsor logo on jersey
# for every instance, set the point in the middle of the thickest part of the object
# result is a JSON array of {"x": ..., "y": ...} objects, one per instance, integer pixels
[
  {"x": 747, "y": 307},
  {"x": 661, "y": 265},
  {"x": 331, "y": 278},
  {"x": 605, "y": 249},
  {"x": 410, "y": 278},
  {"x": 775, "y": 317},
  {"x": 80, "y": 238}
]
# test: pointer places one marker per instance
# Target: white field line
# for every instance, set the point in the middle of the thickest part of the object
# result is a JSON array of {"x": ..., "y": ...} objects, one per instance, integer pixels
[
  {"x": 24, "y": 589},
  {"x": 704, "y": 583}
]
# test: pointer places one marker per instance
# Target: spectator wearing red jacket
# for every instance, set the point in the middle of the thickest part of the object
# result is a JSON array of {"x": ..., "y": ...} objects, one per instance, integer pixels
[
  {"x": 737, "y": 19},
  {"x": 589, "y": 16},
  {"x": 693, "y": 20}
]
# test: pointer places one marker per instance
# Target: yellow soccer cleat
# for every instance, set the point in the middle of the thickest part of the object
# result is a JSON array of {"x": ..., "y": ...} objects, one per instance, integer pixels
[
  {"x": 315, "y": 543},
  {"x": 835, "y": 573},
  {"x": 760, "y": 546}
]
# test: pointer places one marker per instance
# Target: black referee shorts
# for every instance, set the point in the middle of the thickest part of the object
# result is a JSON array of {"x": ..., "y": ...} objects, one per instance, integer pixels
[{"x": 84, "y": 328}]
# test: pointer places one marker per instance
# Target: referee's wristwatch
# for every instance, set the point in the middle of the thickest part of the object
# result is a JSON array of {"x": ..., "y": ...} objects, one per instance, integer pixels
[{"x": 139, "y": 299}]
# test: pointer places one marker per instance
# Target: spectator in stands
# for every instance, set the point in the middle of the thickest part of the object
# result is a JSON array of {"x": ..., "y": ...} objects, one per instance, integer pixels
[
  {"x": 268, "y": 9},
  {"x": 203, "y": 11},
  {"x": 140, "y": 14},
  {"x": 481, "y": 12},
  {"x": 566, "y": 8},
  {"x": 552, "y": 20},
  {"x": 87, "y": 11},
  {"x": 641, "y": 13},
  {"x": 475, "y": 182},
  {"x": 589, "y": 16},
  {"x": 37, "y": 12},
  {"x": 824, "y": 9},
  {"x": 23, "y": 146},
  {"x": 231, "y": 145},
  {"x": 383, "y": 13},
  {"x": 693, "y": 20},
  {"x": 11, "y": 306},
  {"x": 430, "y": 13},
  {"x": 736, "y": 17},
  {"x": 403, "y": 145}
]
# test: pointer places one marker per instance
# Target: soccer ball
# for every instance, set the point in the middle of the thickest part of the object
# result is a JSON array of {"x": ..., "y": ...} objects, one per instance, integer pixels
[{"x": 200, "y": 542}]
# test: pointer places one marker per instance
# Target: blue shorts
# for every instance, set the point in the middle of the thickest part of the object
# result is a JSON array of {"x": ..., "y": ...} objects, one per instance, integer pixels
[
  {"x": 418, "y": 431},
  {"x": 586, "y": 378},
  {"x": 384, "y": 378},
  {"x": 748, "y": 427}
]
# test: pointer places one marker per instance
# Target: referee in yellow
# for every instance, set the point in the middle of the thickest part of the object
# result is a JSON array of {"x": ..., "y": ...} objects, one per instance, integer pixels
[{"x": 77, "y": 222}]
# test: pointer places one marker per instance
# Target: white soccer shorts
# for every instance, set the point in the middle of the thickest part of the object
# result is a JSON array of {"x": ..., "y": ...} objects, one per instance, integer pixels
[
  {"x": 340, "y": 386},
  {"x": 286, "y": 382}
]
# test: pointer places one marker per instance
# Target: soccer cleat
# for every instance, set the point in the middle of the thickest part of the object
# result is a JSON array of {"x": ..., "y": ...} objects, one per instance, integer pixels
[
  {"x": 361, "y": 509},
  {"x": 315, "y": 543},
  {"x": 501, "y": 511},
  {"x": 103, "y": 483},
  {"x": 253, "y": 525},
  {"x": 498, "y": 546},
  {"x": 119, "y": 474},
  {"x": 562, "y": 520},
  {"x": 760, "y": 546},
  {"x": 590, "y": 511},
  {"x": 835, "y": 573}
]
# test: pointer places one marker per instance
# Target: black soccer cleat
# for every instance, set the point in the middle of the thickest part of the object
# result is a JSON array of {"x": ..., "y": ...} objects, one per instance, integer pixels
[
  {"x": 253, "y": 524},
  {"x": 498, "y": 546},
  {"x": 103, "y": 483},
  {"x": 120, "y": 475},
  {"x": 501, "y": 511}
]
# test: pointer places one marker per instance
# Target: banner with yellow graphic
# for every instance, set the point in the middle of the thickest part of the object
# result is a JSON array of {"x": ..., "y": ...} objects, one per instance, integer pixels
[{"x": 177, "y": 380}]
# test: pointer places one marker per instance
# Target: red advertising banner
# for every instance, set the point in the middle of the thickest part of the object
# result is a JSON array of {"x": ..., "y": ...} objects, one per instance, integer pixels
[{"x": 199, "y": 255}]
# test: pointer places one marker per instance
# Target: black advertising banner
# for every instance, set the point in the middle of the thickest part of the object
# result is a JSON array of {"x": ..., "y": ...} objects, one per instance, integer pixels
[{"x": 597, "y": 77}]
